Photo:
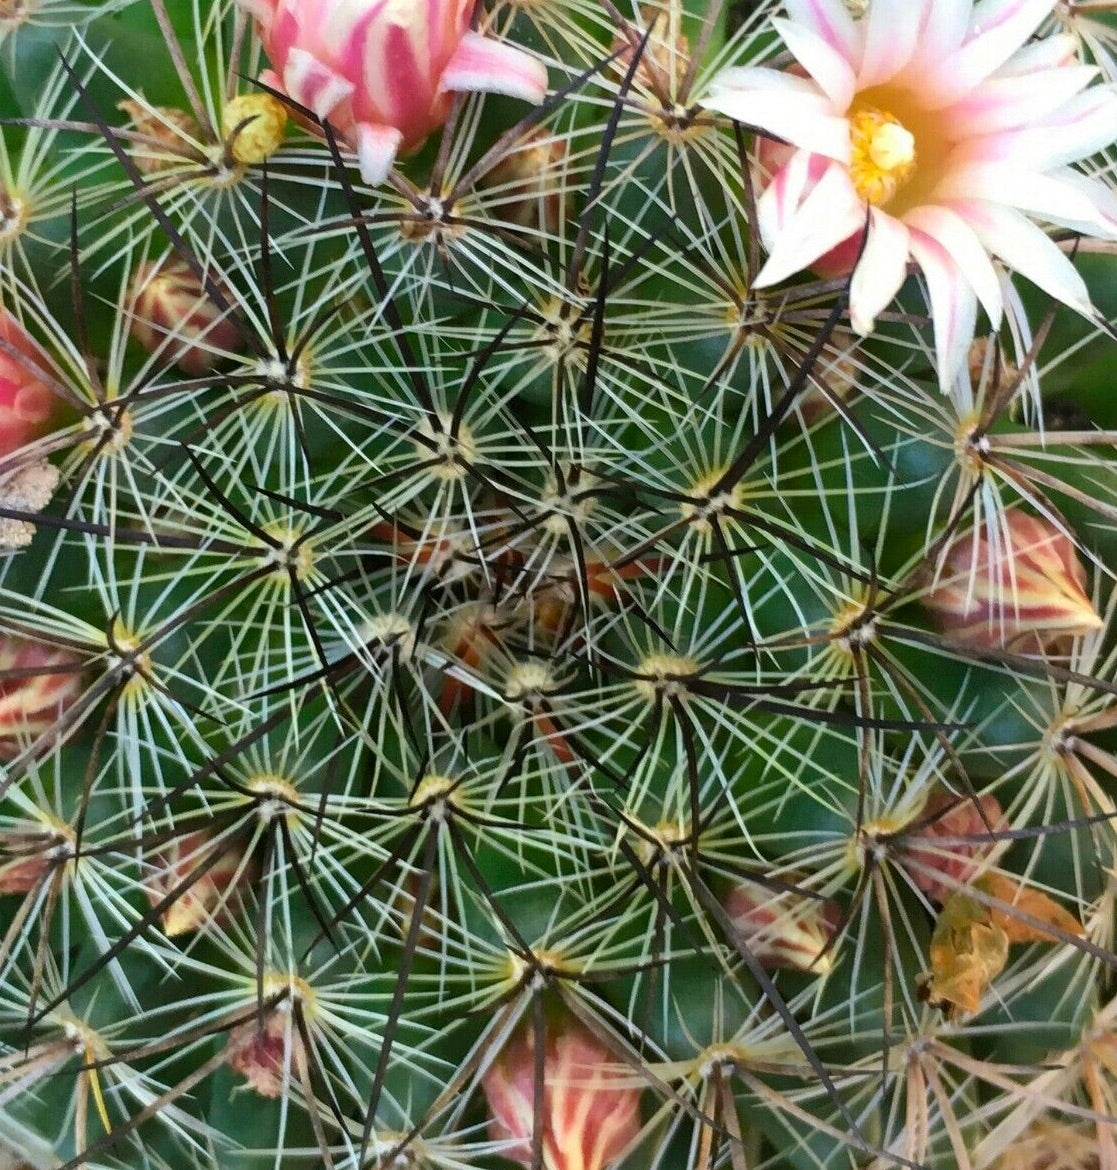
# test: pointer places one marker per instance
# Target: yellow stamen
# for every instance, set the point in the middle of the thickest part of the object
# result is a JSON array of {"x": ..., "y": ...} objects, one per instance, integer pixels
[{"x": 882, "y": 154}]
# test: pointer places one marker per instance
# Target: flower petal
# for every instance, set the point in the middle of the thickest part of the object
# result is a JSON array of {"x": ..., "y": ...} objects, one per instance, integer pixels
[
  {"x": 1004, "y": 103},
  {"x": 830, "y": 213},
  {"x": 831, "y": 22},
  {"x": 1022, "y": 246},
  {"x": 880, "y": 271},
  {"x": 376, "y": 151},
  {"x": 313, "y": 84},
  {"x": 891, "y": 32},
  {"x": 942, "y": 36},
  {"x": 951, "y": 232},
  {"x": 952, "y": 302},
  {"x": 1046, "y": 196},
  {"x": 482, "y": 64},
  {"x": 782, "y": 105},
  {"x": 997, "y": 29},
  {"x": 825, "y": 64},
  {"x": 1080, "y": 127}
]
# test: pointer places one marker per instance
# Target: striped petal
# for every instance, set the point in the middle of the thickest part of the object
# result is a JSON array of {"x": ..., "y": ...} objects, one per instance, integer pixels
[
  {"x": 483, "y": 65},
  {"x": 952, "y": 302},
  {"x": 829, "y": 214},
  {"x": 951, "y": 232},
  {"x": 997, "y": 29},
  {"x": 880, "y": 271},
  {"x": 825, "y": 64},
  {"x": 783, "y": 106},
  {"x": 830, "y": 21},
  {"x": 1022, "y": 246},
  {"x": 891, "y": 32}
]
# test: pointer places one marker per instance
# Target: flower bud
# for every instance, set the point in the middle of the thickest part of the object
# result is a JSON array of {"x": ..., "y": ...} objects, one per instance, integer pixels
[
  {"x": 265, "y": 1052},
  {"x": 209, "y": 896},
  {"x": 590, "y": 1114},
  {"x": 1026, "y": 593},
  {"x": 381, "y": 72},
  {"x": 527, "y": 184},
  {"x": 26, "y": 403},
  {"x": 260, "y": 1054},
  {"x": 783, "y": 928},
  {"x": 253, "y": 125},
  {"x": 37, "y": 683},
  {"x": 173, "y": 314},
  {"x": 665, "y": 59},
  {"x": 171, "y": 134},
  {"x": 26, "y": 489},
  {"x": 968, "y": 951},
  {"x": 940, "y": 863},
  {"x": 28, "y": 858}
]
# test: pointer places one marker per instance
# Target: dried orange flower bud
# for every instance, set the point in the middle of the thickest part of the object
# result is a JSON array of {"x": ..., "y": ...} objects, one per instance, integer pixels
[
  {"x": 173, "y": 314},
  {"x": 527, "y": 183},
  {"x": 210, "y": 893},
  {"x": 590, "y": 1113},
  {"x": 37, "y": 683},
  {"x": 783, "y": 928},
  {"x": 940, "y": 863},
  {"x": 968, "y": 951},
  {"x": 253, "y": 125},
  {"x": 1026, "y": 593},
  {"x": 171, "y": 132},
  {"x": 1030, "y": 902}
]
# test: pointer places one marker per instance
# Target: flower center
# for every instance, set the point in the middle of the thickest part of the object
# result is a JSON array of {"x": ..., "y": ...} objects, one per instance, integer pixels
[{"x": 882, "y": 154}]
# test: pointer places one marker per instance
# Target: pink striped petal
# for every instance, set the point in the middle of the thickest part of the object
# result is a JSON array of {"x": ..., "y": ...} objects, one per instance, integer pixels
[
  {"x": 825, "y": 64},
  {"x": 377, "y": 147},
  {"x": 1046, "y": 196},
  {"x": 998, "y": 28},
  {"x": 881, "y": 270},
  {"x": 1022, "y": 246},
  {"x": 829, "y": 214},
  {"x": 831, "y": 22},
  {"x": 1081, "y": 127},
  {"x": 952, "y": 302},
  {"x": 891, "y": 33},
  {"x": 943, "y": 33},
  {"x": 1005, "y": 103},
  {"x": 951, "y": 232},
  {"x": 314, "y": 84},
  {"x": 483, "y": 65},
  {"x": 783, "y": 106},
  {"x": 1057, "y": 52}
]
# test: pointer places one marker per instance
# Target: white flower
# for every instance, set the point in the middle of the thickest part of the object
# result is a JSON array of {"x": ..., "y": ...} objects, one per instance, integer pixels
[{"x": 941, "y": 128}]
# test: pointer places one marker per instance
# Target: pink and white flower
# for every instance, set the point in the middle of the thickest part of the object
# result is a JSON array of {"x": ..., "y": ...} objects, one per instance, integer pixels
[
  {"x": 939, "y": 127},
  {"x": 382, "y": 72}
]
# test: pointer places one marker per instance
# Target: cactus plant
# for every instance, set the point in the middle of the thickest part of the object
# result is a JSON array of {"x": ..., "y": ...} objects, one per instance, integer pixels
[{"x": 557, "y": 622}]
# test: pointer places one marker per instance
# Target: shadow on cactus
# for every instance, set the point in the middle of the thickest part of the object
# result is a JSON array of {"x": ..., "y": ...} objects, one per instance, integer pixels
[{"x": 544, "y": 621}]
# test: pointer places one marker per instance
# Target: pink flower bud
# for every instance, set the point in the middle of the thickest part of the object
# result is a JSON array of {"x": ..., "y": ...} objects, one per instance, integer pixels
[
  {"x": 37, "y": 683},
  {"x": 208, "y": 897},
  {"x": 590, "y": 1114},
  {"x": 1026, "y": 593},
  {"x": 940, "y": 864},
  {"x": 783, "y": 928},
  {"x": 26, "y": 403},
  {"x": 260, "y": 1054},
  {"x": 28, "y": 858},
  {"x": 381, "y": 72},
  {"x": 173, "y": 314}
]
